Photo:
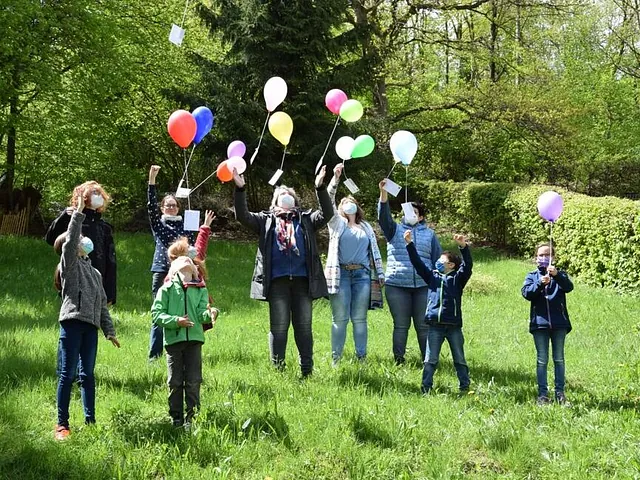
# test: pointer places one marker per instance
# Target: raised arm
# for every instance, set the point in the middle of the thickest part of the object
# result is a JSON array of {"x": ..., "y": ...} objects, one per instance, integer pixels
[
  {"x": 319, "y": 218},
  {"x": 333, "y": 185},
  {"x": 416, "y": 261},
  {"x": 202, "y": 241},
  {"x": 253, "y": 221},
  {"x": 58, "y": 226},
  {"x": 72, "y": 243}
]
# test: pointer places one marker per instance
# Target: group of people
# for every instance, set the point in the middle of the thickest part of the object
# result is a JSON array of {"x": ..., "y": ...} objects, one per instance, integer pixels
[{"x": 423, "y": 286}]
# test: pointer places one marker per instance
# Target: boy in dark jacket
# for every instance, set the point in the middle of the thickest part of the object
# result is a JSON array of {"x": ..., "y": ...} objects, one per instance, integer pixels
[
  {"x": 545, "y": 288},
  {"x": 444, "y": 308}
]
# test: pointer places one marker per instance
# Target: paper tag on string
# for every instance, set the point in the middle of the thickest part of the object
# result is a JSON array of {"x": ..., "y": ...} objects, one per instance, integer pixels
[
  {"x": 353, "y": 188},
  {"x": 177, "y": 35},
  {"x": 392, "y": 187},
  {"x": 319, "y": 165},
  {"x": 276, "y": 177},
  {"x": 183, "y": 192},
  {"x": 192, "y": 220},
  {"x": 253, "y": 157},
  {"x": 409, "y": 213}
]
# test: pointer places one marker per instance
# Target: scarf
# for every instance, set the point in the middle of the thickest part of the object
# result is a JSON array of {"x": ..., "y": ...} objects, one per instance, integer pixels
[
  {"x": 285, "y": 231},
  {"x": 171, "y": 218}
]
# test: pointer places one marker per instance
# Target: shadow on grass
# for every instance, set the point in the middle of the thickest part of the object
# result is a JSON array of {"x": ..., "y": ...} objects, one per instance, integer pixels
[
  {"x": 365, "y": 430},
  {"x": 20, "y": 367},
  {"x": 376, "y": 382}
]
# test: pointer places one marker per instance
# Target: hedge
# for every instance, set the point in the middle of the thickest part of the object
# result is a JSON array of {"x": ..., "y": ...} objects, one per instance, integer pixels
[{"x": 597, "y": 239}]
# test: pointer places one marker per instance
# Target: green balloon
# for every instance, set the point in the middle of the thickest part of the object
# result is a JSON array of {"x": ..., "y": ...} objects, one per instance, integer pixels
[
  {"x": 351, "y": 111},
  {"x": 363, "y": 146}
]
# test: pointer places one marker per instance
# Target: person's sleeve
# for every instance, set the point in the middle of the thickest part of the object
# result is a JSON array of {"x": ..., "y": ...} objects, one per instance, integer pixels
[
  {"x": 532, "y": 288},
  {"x": 319, "y": 218},
  {"x": 70, "y": 246},
  {"x": 564, "y": 282},
  {"x": 253, "y": 221},
  {"x": 385, "y": 220},
  {"x": 436, "y": 249},
  {"x": 202, "y": 242},
  {"x": 159, "y": 311},
  {"x": 57, "y": 227},
  {"x": 418, "y": 264},
  {"x": 106, "y": 324},
  {"x": 203, "y": 312},
  {"x": 110, "y": 274},
  {"x": 464, "y": 271}
]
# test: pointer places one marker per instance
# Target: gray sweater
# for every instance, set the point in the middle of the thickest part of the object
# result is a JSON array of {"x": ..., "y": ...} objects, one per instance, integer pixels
[{"x": 83, "y": 296}]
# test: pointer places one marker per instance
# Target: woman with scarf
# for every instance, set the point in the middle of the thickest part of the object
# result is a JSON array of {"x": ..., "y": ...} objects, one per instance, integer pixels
[
  {"x": 288, "y": 272},
  {"x": 167, "y": 226},
  {"x": 354, "y": 272}
]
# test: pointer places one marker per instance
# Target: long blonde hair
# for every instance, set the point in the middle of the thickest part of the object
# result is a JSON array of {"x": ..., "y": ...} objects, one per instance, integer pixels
[{"x": 88, "y": 188}]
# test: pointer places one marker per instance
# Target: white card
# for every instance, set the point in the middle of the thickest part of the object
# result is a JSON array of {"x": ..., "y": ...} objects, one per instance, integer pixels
[
  {"x": 409, "y": 212},
  {"x": 183, "y": 192},
  {"x": 192, "y": 220},
  {"x": 392, "y": 187},
  {"x": 276, "y": 177},
  {"x": 319, "y": 165},
  {"x": 353, "y": 188},
  {"x": 177, "y": 35}
]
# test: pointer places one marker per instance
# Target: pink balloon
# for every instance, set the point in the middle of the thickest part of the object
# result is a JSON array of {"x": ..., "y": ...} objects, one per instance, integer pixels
[
  {"x": 334, "y": 100},
  {"x": 238, "y": 163},
  {"x": 550, "y": 206},
  {"x": 236, "y": 149}
]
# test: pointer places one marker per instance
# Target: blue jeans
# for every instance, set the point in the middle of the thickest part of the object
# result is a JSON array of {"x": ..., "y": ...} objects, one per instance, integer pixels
[
  {"x": 454, "y": 336},
  {"x": 155, "y": 337},
  {"x": 351, "y": 301},
  {"x": 541, "y": 339},
  {"x": 405, "y": 304},
  {"x": 77, "y": 339},
  {"x": 290, "y": 303}
]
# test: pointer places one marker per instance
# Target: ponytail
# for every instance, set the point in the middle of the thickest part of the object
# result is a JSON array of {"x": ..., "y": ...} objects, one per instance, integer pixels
[{"x": 57, "y": 246}]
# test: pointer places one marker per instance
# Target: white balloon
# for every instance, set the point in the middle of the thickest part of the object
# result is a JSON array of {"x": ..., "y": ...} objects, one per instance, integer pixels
[
  {"x": 344, "y": 147},
  {"x": 275, "y": 91},
  {"x": 238, "y": 163},
  {"x": 404, "y": 146}
]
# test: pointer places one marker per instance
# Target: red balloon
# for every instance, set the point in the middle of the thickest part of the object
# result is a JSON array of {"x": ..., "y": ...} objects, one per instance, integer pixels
[
  {"x": 223, "y": 172},
  {"x": 182, "y": 127}
]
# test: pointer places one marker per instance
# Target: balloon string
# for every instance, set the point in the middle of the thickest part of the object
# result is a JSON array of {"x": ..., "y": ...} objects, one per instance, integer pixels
[
  {"x": 255, "y": 152},
  {"x": 406, "y": 184},
  {"x": 283, "y": 154},
  {"x": 198, "y": 186},
  {"x": 186, "y": 176},
  {"x": 187, "y": 165},
  {"x": 391, "y": 171},
  {"x": 184, "y": 14},
  {"x": 335, "y": 125},
  {"x": 550, "y": 243}
]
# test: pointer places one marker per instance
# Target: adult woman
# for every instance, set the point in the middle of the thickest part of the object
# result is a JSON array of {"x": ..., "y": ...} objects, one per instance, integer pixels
[
  {"x": 167, "y": 226},
  {"x": 288, "y": 271},
  {"x": 353, "y": 263},
  {"x": 103, "y": 255},
  {"x": 406, "y": 291}
]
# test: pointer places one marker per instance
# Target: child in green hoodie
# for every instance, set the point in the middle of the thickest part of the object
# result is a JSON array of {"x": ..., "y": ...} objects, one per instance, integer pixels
[{"x": 180, "y": 308}]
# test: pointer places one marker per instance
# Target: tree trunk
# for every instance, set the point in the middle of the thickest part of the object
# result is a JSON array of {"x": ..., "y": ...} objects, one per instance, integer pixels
[
  {"x": 11, "y": 147},
  {"x": 493, "y": 73}
]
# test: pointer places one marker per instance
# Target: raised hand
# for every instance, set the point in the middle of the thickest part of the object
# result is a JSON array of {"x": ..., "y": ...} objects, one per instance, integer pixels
[
  {"x": 320, "y": 176},
  {"x": 153, "y": 173},
  {"x": 337, "y": 170},
  {"x": 80, "y": 202},
  {"x": 383, "y": 192},
  {"x": 239, "y": 179},
  {"x": 545, "y": 279},
  {"x": 460, "y": 240},
  {"x": 209, "y": 217},
  {"x": 407, "y": 237}
]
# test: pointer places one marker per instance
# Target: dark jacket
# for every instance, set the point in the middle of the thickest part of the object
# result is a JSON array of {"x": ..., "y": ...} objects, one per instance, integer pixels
[
  {"x": 164, "y": 232},
  {"x": 103, "y": 257},
  {"x": 445, "y": 291},
  {"x": 263, "y": 224},
  {"x": 548, "y": 304}
]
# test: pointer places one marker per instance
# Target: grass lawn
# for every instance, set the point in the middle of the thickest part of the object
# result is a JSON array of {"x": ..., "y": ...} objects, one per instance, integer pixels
[{"x": 355, "y": 421}]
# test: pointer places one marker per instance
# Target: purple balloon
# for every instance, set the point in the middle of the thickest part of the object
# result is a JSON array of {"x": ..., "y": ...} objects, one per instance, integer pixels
[
  {"x": 204, "y": 122},
  {"x": 236, "y": 149},
  {"x": 550, "y": 206}
]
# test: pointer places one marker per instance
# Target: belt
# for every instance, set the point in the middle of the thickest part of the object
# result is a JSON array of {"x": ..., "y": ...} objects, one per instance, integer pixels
[{"x": 351, "y": 266}]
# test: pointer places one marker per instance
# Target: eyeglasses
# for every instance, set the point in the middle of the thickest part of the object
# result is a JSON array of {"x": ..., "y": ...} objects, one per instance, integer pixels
[{"x": 170, "y": 205}]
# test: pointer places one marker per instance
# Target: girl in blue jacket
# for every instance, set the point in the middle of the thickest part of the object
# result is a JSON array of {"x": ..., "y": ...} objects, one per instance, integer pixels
[{"x": 545, "y": 288}]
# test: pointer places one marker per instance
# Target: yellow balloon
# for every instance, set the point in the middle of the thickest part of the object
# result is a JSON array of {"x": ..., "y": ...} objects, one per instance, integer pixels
[{"x": 281, "y": 127}]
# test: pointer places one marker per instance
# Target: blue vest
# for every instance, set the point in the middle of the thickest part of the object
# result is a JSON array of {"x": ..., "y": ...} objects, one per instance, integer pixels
[{"x": 400, "y": 272}]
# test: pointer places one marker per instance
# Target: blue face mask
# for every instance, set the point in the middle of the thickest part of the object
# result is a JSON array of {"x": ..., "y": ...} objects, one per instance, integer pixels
[
  {"x": 440, "y": 266},
  {"x": 87, "y": 245},
  {"x": 192, "y": 252},
  {"x": 543, "y": 260}
]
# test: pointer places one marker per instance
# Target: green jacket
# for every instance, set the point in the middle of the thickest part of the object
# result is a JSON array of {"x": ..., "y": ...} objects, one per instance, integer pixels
[{"x": 170, "y": 304}]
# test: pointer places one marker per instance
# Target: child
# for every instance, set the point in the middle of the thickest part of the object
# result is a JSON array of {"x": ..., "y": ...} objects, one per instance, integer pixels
[
  {"x": 83, "y": 311},
  {"x": 444, "y": 310},
  {"x": 180, "y": 308},
  {"x": 545, "y": 288}
]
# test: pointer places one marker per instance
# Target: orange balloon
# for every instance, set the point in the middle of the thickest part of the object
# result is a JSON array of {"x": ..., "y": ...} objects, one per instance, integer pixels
[{"x": 223, "y": 172}]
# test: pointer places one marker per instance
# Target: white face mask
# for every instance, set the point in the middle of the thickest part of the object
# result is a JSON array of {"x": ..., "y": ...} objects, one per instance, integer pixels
[
  {"x": 350, "y": 208},
  {"x": 411, "y": 221},
  {"x": 97, "y": 201},
  {"x": 286, "y": 201}
]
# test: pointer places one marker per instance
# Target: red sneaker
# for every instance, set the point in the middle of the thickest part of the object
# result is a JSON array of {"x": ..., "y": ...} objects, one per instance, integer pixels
[{"x": 62, "y": 432}]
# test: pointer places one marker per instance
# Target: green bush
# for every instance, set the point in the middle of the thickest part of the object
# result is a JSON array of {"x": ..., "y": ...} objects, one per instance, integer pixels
[{"x": 597, "y": 238}]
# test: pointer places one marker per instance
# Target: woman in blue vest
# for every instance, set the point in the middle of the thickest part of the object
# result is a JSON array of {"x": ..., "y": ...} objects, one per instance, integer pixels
[{"x": 406, "y": 291}]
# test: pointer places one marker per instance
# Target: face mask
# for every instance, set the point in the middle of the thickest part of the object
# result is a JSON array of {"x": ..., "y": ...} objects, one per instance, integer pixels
[
  {"x": 440, "y": 266},
  {"x": 97, "y": 201},
  {"x": 411, "y": 221},
  {"x": 543, "y": 260},
  {"x": 350, "y": 208},
  {"x": 286, "y": 201},
  {"x": 192, "y": 252},
  {"x": 87, "y": 245}
]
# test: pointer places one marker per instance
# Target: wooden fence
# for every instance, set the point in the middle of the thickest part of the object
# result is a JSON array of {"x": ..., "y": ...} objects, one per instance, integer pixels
[{"x": 16, "y": 223}]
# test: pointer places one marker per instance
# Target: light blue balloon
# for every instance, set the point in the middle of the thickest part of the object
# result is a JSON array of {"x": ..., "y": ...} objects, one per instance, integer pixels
[{"x": 404, "y": 146}]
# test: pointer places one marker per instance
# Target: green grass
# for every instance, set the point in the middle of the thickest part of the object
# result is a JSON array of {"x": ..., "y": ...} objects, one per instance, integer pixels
[{"x": 356, "y": 421}]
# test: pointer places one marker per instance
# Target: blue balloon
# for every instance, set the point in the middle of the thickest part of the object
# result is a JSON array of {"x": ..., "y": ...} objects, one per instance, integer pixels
[{"x": 204, "y": 123}]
